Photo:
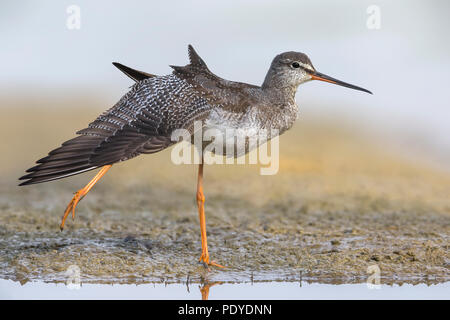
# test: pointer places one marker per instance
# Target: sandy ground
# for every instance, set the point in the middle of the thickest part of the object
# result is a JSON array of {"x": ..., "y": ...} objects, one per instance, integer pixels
[{"x": 340, "y": 203}]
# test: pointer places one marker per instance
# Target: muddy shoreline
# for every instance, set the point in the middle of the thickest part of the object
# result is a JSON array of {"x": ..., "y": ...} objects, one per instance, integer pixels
[
  {"x": 339, "y": 204},
  {"x": 280, "y": 241}
]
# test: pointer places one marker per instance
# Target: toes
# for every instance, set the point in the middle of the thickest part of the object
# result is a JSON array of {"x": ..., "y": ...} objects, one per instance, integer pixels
[
  {"x": 206, "y": 262},
  {"x": 212, "y": 263}
]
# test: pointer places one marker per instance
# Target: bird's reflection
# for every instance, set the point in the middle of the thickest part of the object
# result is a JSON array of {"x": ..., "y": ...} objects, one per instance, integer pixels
[{"x": 204, "y": 288}]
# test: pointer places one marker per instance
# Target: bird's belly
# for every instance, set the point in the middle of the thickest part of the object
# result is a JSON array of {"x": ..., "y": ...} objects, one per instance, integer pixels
[
  {"x": 235, "y": 134},
  {"x": 232, "y": 141}
]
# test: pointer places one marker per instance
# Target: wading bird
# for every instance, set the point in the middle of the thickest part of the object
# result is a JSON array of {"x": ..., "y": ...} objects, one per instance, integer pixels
[{"x": 144, "y": 118}]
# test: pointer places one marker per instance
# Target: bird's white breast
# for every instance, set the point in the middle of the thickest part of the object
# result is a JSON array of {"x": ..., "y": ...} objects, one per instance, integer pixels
[{"x": 238, "y": 132}]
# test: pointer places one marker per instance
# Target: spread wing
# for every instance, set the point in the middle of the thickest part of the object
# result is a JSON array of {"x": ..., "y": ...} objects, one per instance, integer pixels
[
  {"x": 140, "y": 123},
  {"x": 143, "y": 120}
]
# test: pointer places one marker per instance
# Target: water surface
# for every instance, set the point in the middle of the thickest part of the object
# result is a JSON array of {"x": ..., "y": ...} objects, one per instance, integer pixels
[{"x": 259, "y": 290}]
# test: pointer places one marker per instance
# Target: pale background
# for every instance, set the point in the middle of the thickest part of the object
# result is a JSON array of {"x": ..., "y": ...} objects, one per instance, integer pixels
[
  {"x": 363, "y": 178},
  {"x": 405, "y": 63}
]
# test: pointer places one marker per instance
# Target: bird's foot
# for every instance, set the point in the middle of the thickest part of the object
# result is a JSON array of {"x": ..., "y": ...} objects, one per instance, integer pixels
[
  {"x": 204, "y": 259},
  {"x": 71, "y": 206}
]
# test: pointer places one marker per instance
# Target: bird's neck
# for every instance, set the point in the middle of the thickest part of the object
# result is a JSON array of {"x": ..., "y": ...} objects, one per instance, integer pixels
[
  {"x": 279, "y": 88},
  {"x": 282, "y": 101},
  {"x": 280, "y": 95}
]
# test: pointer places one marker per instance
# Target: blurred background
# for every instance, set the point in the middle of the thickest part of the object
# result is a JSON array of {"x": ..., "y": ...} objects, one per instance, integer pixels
[
  {"x": 56, "y": 78},
  {"x": 45, "y": 65},
  {"x": 56, "y": 72},
  {"x": 374, "y": 166}
]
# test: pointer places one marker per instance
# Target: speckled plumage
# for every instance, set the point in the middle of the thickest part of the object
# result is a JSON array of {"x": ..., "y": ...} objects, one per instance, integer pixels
[{"x": 144, "y": 118}]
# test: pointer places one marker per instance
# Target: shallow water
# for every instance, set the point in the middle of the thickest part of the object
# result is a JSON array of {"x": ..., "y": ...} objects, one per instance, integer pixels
[{"x": 258, "y": 290}]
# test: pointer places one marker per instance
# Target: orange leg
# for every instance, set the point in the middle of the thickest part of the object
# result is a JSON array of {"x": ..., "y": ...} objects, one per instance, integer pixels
[
  {"x": 81, "y": 193},
  {"x": 204, "y": 258}
]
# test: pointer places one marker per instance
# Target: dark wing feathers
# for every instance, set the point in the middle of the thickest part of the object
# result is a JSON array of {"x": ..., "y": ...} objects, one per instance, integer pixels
[
  {"x": 69, "y": 159},
  {"x": 141, "y": 122},
  {"x": 195, "y": 59},
  {"x": 134, "y": 74}
]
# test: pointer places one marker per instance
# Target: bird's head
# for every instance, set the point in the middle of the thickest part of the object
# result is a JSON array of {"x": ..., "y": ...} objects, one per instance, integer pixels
[{"x": 290, "y": 69}]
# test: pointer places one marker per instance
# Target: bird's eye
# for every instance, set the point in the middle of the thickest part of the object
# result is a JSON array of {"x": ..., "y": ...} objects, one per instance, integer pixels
[{"x": 295, "y": 65}]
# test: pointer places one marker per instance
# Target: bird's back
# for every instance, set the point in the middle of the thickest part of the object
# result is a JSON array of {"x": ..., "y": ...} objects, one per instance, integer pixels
[{"x": 143, "y": 120}]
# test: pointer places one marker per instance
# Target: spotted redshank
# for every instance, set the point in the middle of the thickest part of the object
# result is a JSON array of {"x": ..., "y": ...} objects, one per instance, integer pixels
[{"x": 144, "y": 118}]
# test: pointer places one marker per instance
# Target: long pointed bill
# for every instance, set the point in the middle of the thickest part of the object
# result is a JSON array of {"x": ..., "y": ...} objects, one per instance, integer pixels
[{"x": 324, "y": 77}]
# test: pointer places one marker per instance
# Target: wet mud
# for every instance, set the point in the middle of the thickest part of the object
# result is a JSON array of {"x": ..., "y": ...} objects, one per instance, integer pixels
[{"x": 339, "y": 204}]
